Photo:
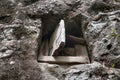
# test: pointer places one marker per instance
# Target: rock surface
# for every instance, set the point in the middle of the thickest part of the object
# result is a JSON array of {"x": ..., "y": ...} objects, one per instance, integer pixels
[
  {"x": 103, "y": 35},
  {"x": 94, "y": 71},
  {"x": 20, "y": 28}
]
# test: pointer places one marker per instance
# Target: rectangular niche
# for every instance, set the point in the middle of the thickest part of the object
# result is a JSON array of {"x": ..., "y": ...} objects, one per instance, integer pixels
[{"x": 62, "y": 42}]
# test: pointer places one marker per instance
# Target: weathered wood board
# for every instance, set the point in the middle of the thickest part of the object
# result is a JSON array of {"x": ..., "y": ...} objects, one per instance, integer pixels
[{"x": 76, "y": 39}]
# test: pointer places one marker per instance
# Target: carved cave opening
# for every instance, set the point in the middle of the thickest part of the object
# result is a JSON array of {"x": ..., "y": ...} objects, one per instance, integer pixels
[{"x": 71, "y": 50}]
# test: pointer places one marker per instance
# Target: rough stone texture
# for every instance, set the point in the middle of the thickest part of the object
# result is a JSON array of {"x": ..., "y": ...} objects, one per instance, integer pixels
[
  {"x": 56, "y": 7},
  {"x": 103, "y": 35},
  {"x": 20, "y": 27},
  {"x": 94, "y": 71},
  {"x": 19, "y": 37}
]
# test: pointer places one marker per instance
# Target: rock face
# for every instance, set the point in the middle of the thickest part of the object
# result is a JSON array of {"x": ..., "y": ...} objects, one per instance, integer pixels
[
  {"x": 94, "y": 71},
  {"x": 103, "y": 34},
  {"x": 20, "y": 28}
]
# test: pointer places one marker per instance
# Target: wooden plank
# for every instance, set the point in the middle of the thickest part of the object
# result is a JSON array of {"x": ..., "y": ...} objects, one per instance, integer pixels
[
  {"x": 76, "y": 39},
  {"x": 63, "y": 59}
]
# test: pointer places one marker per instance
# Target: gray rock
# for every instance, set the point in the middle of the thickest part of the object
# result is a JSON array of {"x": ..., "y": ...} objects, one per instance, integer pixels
[
  {"x": 103, "y": 36},
  {"x": 94, "y": 71},
  {"x": 46, "y": 7},
  {"x": 20, "y": 28}
]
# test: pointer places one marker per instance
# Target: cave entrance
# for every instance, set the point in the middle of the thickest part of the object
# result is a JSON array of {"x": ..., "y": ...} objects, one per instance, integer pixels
[{"x": 62, "y": 41}]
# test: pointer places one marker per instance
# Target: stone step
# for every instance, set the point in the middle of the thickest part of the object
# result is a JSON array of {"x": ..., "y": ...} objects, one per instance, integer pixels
[{"x": 64, "y": 59}]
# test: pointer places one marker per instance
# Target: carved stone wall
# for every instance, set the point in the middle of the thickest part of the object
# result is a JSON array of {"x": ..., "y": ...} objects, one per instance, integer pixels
[{"x": 20, "y": 26}]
